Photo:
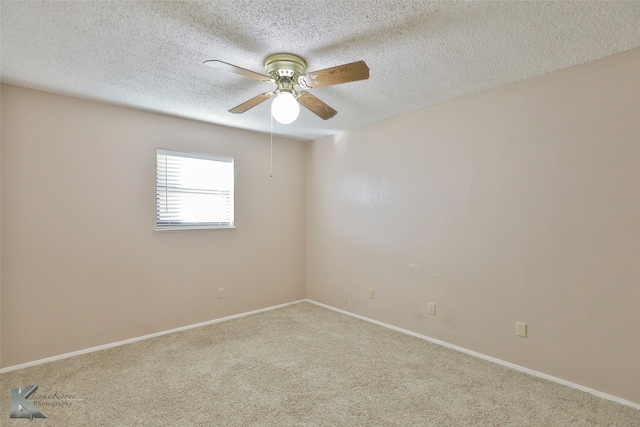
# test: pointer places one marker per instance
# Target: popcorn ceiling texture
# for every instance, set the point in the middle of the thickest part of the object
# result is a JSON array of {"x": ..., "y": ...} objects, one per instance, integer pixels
[{"x": 149, "y": 54}]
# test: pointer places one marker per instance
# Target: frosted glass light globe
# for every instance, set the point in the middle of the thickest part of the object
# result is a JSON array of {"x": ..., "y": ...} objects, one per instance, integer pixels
[{"x": 285, "y": 108}]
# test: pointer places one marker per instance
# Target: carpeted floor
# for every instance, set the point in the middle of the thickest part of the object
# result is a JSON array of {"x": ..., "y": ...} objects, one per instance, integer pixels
[{"x": 301, "y": 365}]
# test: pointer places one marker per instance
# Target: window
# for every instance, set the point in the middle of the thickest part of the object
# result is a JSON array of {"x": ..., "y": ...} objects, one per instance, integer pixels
[{"x": 193, "y": 191}]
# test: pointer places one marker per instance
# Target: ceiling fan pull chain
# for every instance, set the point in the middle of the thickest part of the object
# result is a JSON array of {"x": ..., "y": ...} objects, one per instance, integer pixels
[{"x": 271, "y": 159}]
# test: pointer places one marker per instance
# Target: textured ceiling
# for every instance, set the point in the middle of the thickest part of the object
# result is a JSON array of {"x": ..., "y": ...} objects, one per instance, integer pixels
[{"x": 149, "y": 54}]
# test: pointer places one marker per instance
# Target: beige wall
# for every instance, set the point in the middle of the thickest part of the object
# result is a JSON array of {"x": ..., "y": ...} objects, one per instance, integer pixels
[
  {"x": 0, "y": 225},
  {"x": 81, "y": 263},
  {"x": 516, "y": 204}
]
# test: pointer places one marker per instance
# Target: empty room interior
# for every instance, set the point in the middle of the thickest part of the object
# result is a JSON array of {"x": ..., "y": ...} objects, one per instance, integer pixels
[{"x": 460, "y": 175}]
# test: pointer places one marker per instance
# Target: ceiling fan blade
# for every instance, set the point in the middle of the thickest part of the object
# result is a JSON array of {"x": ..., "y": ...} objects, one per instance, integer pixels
[
  {"x": 335, "y": 75},
  {"x": 316, "y": 106},
  {"x": 251, "y": 103},
  {"x": 214, "y": 63}
]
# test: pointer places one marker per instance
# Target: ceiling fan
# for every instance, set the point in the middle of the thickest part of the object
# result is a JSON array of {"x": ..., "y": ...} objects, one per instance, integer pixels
[{"x": 286, "y": 71}]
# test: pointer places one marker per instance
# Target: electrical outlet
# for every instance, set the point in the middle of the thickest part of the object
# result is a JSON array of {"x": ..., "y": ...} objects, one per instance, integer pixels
[
  {"x": 521, "y": 329},
  {"x": 220, "y": 293},
  {"x": 432, "y": 308},
  {"x": 370, "y": 293}
]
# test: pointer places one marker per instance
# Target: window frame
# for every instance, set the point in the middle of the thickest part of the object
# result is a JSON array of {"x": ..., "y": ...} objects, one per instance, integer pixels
[{"x": 193, "y": 225}]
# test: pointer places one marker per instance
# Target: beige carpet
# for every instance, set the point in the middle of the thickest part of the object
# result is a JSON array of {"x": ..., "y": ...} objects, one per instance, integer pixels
[{"x": 301, "y": 365}]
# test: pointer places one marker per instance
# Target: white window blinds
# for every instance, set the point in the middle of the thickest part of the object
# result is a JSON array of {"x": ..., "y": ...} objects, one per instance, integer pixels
[{"x": 193, "y": 191}]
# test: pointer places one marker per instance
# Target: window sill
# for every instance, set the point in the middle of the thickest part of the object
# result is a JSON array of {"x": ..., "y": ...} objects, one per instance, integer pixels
[{"x": 222, "y": 227}]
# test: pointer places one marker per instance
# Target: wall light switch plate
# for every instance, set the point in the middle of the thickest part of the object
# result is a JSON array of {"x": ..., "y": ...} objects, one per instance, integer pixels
[
  {"x": 521, "y": 329},
  {"x": 432, "y": 308},
  {"x": 220, "y": 293},
  {"x": 370, "y": 293}
]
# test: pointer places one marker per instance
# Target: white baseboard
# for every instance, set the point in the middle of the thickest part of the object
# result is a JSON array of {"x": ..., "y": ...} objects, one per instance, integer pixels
[
  {"x": 488, "y": 358},
  {"x": 131, "y": 340},
  {"x": 395, "y": 328}
]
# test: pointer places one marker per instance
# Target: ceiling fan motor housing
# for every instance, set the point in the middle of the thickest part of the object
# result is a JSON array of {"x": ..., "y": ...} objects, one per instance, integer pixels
[
  {"x": 285, "y": 69},
  {"x": 285, "y": 64}
]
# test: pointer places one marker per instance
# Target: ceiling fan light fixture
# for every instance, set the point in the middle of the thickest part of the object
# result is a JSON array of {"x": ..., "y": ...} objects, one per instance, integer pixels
[
  {"x": 285, "y": 108},
  {"x": 285, "y": 71}
]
